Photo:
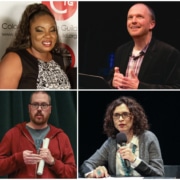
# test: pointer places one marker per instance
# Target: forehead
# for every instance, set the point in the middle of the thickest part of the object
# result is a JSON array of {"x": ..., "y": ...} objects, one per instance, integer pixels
[
  {"x": 139, "y": 9},
  {"x": 40, "y": 97},
  {"x": 121, "y": 108},
  {"x": 42, "y": 20}
]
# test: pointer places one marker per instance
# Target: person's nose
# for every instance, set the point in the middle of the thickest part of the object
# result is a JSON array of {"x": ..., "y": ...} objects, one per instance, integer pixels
[
  {"x": 120, "y": 118},
  {"x": 134, "y": 19},
  {"x": 47, "y": 34}
]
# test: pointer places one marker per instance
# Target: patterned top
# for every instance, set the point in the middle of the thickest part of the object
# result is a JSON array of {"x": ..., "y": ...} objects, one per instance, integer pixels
[
  {"x": 51, "y": 76},
  {"x": 135, "y": 62}
]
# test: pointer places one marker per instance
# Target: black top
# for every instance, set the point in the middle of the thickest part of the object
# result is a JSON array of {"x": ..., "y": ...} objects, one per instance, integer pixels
[{"x": 30, "y": 69}]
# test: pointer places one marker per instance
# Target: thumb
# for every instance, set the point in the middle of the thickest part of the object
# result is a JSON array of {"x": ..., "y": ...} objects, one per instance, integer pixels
[
  {"x": 133, "y": 75},
  {"x": 116, "y": 70}
]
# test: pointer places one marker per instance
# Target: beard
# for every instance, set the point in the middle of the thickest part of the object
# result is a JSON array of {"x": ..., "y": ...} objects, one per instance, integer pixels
[{"x": 39, "y": 118}]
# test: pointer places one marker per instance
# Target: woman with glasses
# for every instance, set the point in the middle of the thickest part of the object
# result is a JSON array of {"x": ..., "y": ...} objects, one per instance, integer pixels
[{"x": 136, "y": 152}]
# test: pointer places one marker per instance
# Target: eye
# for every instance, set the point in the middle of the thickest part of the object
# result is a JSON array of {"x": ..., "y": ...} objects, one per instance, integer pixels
[
  {"x": 125, "y": 113},
  {"x": 116, "y": 115},
  {"x": 53, "y": 30},
  {"x": 38, "y": 30}
]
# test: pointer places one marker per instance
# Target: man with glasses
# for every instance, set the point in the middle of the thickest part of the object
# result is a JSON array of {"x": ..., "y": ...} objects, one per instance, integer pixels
[
  {"x": 139, "y": 153},
  {"x": 22, "y": 150}
]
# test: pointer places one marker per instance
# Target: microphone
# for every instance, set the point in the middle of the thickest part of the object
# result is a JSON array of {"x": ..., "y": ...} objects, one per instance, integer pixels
[
  {"x": 41, "y": 163},
  {"x": 122, "y": 140}
]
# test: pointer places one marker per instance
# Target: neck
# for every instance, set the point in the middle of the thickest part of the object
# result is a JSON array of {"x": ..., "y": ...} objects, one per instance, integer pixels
[
  {"x": 140, "y": 43},
  {"x": 129, "y": 136},
  {"x": 35, "y": 126}
]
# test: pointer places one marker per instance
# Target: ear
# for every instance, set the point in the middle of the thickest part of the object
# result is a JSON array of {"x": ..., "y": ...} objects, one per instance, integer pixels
[
  {"x": 152, "y": 25},
  {"x": 50, "y": 109}
]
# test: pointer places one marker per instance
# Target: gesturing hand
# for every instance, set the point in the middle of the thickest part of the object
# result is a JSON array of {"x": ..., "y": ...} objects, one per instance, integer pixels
[{"x": 31, "y": 158}]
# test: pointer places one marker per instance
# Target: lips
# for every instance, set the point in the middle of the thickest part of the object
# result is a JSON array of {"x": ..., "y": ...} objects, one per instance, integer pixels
[
  {"x": 134, "y": 28},
  {"x": 121, "y": 125}
]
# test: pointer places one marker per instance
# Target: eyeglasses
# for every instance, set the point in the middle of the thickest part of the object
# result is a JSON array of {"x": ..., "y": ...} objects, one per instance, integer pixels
[
  {"x": 124, "y": 115},
  {"x": 43, "y": 106}
]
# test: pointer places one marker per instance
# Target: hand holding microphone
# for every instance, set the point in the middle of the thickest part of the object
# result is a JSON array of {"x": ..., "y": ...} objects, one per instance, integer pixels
[{"x": 126, "y": 153}]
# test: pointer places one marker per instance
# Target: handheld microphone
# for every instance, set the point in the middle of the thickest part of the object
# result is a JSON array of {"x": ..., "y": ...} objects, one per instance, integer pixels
[
  {"x": 41, "y": 163},
  {"x": 122, "y": 140}
]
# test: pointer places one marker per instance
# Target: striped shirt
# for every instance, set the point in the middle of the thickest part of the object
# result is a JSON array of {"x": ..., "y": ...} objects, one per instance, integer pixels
[{"x": 135, "y": 62}]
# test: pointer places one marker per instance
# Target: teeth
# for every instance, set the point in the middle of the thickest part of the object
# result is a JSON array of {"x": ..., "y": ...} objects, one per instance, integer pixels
[{"x": 47, "y": 43}]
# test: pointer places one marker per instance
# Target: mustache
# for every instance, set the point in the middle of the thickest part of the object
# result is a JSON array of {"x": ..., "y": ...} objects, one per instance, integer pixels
[{"x": 38, "y": 114}]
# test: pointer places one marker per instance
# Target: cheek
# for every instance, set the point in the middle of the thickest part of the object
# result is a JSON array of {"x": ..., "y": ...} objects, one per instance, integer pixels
[
  {"x": 115, "y": 124},
  {"x": 35, "y": 38},
  {"x": 130, "y": 124},
  {"x": 54, "y": 36}
]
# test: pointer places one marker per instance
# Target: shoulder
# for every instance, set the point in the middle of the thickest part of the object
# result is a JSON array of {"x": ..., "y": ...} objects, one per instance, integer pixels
[
  {"x": 148, "y": 136},
  {"x": 57, "y": 131},
  {"x": 11, "y": 60},
  {"x": 110, "y": 142},
  {"x": 128, "y": 44},
  {"x": 15, "y": 130},
  {"x": 161, "y": 45},
  {"x": 11, "y": 56},
  {"x": 59, "y": 59},
  {"x": 10, "y": 71}
]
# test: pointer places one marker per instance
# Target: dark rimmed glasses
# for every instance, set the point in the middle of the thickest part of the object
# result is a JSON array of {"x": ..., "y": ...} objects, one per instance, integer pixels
[
  {"x": 43, "y": 106},
  {"x": 124, "y": 115}
]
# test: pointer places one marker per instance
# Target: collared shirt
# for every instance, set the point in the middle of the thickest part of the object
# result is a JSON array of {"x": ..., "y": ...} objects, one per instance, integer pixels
[
  {"x": 135, "y": 62},
  {"x": 119, "y": 166}
]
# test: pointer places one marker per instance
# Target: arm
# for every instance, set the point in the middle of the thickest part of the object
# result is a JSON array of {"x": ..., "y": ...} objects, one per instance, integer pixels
[
  {"x": 10, "y": 71},
  {"x": 9, "y": 162},
  {"x": 99, "y": 160},
  {"x": 64, "y": 166},
  {"x": 165, "y": 70},
  {"x": 151, "y": 159}
]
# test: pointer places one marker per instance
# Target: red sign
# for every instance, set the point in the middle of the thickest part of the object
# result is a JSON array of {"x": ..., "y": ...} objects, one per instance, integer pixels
[{"x": 62, "y": 10}]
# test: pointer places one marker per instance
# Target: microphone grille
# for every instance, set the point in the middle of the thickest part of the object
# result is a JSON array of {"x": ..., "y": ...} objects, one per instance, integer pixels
[{"x": 121, "y": 138}]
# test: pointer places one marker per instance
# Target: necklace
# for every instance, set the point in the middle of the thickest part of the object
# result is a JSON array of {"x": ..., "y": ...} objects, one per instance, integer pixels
[{"x": 126, "y": 169}]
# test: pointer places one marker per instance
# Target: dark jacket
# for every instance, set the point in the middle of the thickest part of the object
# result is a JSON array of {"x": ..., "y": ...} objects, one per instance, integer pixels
[{"x": 160, "y": 68}]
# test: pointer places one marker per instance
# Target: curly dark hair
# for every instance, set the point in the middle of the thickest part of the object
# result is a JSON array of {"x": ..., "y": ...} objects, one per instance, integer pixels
[
  {"x": 22, "y": 35},
  {"x": 140, "y": 122}
]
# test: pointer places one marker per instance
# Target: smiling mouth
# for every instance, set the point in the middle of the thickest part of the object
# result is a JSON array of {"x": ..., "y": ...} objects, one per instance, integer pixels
[{"x": 47, "y": 43}]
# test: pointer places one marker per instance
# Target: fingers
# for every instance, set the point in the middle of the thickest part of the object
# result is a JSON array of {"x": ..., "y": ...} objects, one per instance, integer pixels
[
  {"x": 117, "y": 79},
  {"x": 45, "y": 154},
  {"x": 31, "y": 158},
  {"x": 116, "y": 70},
  {"x": 100, "y": 172},
  {"x": 126, "y": 153}
]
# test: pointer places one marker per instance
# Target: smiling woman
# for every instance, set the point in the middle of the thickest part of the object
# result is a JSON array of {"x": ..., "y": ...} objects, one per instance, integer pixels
[{"x": 34, "y": 59}]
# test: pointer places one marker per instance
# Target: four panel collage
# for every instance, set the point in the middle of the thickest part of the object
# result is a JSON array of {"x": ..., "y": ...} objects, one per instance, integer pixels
[{"x": 89, "y": 89}]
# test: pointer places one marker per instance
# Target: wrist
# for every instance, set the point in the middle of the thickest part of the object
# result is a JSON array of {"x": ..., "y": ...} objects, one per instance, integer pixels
[
  {"x": 133, "y": 160},
  {"x": 52, "y": 162}
]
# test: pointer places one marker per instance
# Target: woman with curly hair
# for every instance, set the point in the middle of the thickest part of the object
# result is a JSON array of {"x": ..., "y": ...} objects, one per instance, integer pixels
[
  {"x": 34, "y": 60},
  {"x": 138, "y": 155}
]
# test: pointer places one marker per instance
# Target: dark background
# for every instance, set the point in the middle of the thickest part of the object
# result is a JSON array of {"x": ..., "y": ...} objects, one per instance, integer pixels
[
  {"x": 102, "y": 28},
  {"x": 162, "y": 109}
]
